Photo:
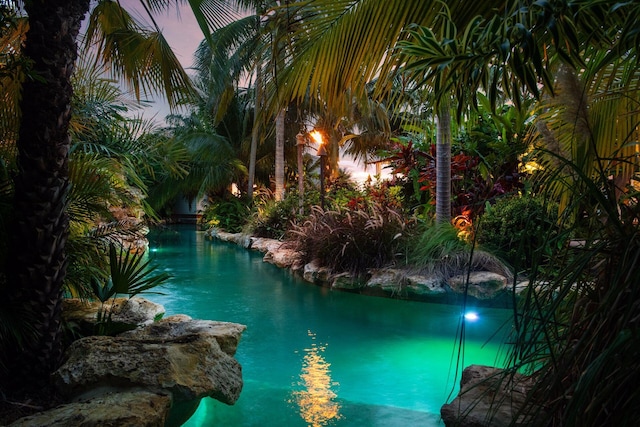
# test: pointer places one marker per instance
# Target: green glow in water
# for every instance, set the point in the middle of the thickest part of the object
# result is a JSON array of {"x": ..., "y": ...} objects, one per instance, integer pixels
[{"x": 315, "y": 357}]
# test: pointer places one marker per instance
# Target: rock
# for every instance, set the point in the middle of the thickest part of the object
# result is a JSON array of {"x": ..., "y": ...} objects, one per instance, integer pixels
[
  {"x": 264, "y": 245},
  {"x": 137, "y": 408},
  {"x": 127, "y": 313},
  {"x": 346, "y": 282},
  {"x": 314, "y": 273},
  {"x": 483, "y": 285},
  {"x": 225, "y": 333},
  {"x": 183, "y": 358},
  {"x": 388, "y": 280},
  {"x": 424, "y": 286},
  {"x": 488, "y": 397},
  {"x": 282, "y": 257},
  {"x": 239, "y": 239}
]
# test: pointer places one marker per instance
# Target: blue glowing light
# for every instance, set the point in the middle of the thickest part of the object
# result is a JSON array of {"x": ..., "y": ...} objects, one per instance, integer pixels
[{"x": 471, "y": 316}]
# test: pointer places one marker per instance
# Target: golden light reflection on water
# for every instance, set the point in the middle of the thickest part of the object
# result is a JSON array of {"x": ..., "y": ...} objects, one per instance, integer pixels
[{"x": 316, "y": 398}]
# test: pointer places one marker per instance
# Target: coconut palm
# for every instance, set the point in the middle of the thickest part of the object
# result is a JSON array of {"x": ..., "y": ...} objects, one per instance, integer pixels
[
  {"x": 249, "y": 46},
  {"x": 530, "y": 49}
]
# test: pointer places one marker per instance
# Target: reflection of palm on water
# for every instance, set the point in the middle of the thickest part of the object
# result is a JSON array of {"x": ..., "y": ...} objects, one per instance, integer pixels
[{"x": 316, "y": 399}]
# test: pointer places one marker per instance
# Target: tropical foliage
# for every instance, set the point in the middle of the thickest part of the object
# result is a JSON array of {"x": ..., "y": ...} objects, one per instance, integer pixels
[
  {"x": 486, "y": 104},
  {"x": 129, "y": 274},
  {"x": 36, "y": 119},
  {"x": 522, "y": 230},
  {"x": 230, "y": 213}
]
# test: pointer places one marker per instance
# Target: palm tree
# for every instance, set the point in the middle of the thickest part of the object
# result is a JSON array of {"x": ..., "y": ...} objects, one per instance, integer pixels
[
  {"x": 211, "y": 165},
  {"x": 341, "y": 46},
  {"x": 37, "y": 262},
  {"x": 560, "y": 42},
  {"x": 249, "y": 46}
]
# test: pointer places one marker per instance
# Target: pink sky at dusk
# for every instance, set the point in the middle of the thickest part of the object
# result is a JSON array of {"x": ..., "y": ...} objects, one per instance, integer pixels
[{"x": 181, "y": 31}]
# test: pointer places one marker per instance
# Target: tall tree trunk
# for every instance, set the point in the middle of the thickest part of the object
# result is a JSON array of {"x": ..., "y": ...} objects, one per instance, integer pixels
[
  {"x": 280, "y": 155},
  {"x": 255, "y": 131},
  {"x": 443, "y": 164},
  {"x": 37, "y": 262}
]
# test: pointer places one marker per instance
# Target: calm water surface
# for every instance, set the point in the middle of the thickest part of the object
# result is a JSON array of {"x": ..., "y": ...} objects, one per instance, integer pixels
[{"x": 315, "y": 357}]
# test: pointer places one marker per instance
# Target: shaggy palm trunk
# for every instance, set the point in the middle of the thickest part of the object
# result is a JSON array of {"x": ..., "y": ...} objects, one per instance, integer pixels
[
  {"x": 443, "y": 165},
  {"x": 280, "y": 155},
  {"x": 37, "y": 262}
]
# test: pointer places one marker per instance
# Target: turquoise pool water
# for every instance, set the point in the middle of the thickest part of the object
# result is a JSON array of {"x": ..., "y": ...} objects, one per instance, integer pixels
[{"x": 315, "y": 357}]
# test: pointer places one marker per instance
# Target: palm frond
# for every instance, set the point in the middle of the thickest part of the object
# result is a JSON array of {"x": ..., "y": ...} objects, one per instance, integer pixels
[{"x": 141, "y": 58}]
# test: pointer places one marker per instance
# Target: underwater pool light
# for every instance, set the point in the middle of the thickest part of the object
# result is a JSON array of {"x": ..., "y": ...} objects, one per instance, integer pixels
[{"x": 471, "y": 316}]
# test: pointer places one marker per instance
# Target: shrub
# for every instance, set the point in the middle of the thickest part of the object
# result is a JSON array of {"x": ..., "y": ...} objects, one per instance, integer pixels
[
  {"x": 520, "y": 230},
  {"x": 352, "y": 241},
  {"x": 230, "y": 213},
  {"x": 272, "y": 219},
  {"x": 439, "y": 249}
]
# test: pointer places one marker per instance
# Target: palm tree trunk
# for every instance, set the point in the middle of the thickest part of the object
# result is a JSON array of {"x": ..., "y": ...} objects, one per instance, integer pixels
[
  {"x": 443, "y": 164},
  {"x": 280, "y": 155},
  {"x": 255, "y": 132},
  {"x": 37, "y": 262}
]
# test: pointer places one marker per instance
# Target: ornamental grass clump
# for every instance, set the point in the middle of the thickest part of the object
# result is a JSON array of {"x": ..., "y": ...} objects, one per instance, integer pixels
[
  {"x": 439, "y": 250},
  {"x": 351, "y": 240}
]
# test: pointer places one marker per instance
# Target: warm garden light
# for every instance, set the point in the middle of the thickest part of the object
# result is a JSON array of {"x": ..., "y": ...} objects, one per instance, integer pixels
[
  {"x": 322, "y": 153},
  {"x": 471, "y": 316},
  {"x": 317, "y": 136}
]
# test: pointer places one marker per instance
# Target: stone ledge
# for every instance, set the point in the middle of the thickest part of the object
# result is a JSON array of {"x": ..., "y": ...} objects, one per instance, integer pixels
[
  {"x": 139, "y": 408},
  {"x": 485, "y": 288},
  {"x": 127, "y": 313},
  {"x": 152, "y": 375}
]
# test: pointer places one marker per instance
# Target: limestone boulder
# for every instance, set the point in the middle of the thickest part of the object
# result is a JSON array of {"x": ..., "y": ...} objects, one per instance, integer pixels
[
  {"x": 315, "y": 273},
  {"x": 239, "y": 239},
  {"x": 281, "y": 257},
  {"x": 127, "y": 313},
  {"x": 387, "y": 280},
  {"x": 483, "y": 285},
  {"x": 187, "y": 359},
  {"x": 425, "y": 286},
  {"x": 135, "y": 408},
  {"x": 488, "y": 398},
  {"x": 264, "y": 245},
  {"x": 226, "y": 334},
  {"x": 346, "y": 282}
]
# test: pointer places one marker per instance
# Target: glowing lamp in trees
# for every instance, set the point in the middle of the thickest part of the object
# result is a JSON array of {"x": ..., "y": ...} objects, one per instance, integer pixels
[{"x": 322, "y": 153}]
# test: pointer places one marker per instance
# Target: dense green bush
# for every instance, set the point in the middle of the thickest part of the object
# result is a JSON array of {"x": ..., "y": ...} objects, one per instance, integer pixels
[
  {"x": 434, "y": 243},
  {"x": 520, "y": 230},
  {"x": 229, "y": 214},
  {"x": 272, "y": 219}
]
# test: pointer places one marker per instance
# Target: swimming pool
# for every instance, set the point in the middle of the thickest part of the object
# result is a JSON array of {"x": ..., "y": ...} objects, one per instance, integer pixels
[{"x": 316, "y": 357}]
